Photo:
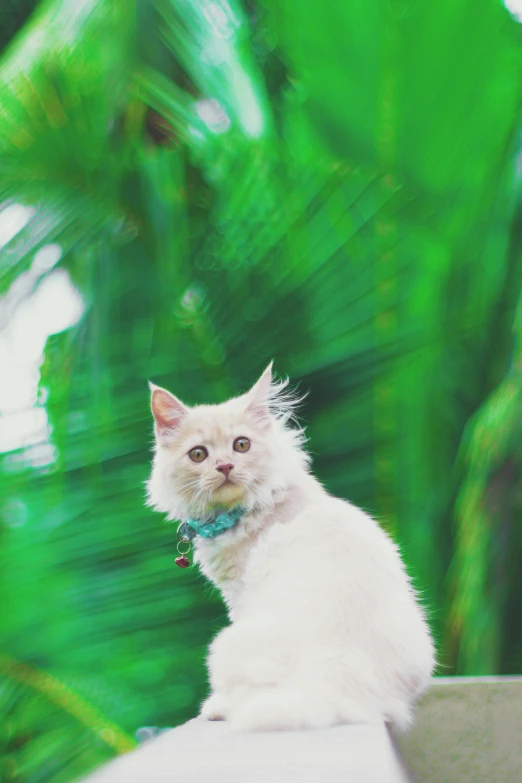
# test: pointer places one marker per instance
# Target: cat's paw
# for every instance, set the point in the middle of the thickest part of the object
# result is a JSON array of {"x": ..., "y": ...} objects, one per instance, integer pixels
[
  {"x": 289, "y": 708},
  {"x": 213, "y": 708},
  {"x": 281, "y": 709},
  {"x": 264, "y": 711}
]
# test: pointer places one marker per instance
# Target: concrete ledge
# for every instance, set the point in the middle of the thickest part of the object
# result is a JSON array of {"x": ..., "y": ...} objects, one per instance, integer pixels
[
  {"x": 467, "y": 730},
  {"x": 202, "y": 751}
]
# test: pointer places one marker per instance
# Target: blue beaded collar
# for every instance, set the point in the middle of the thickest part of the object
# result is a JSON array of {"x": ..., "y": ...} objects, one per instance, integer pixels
[{"x": 212, "y": 526}]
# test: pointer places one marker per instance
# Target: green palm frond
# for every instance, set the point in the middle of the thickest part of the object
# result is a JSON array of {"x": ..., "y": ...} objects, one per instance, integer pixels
[
  {"x": 65, "y": 81},
  {"x": 484, "y": 514},
  {"x": 49, "y": 730}
]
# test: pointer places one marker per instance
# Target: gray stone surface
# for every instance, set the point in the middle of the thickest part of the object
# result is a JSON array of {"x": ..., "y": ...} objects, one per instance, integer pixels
[
  {"x": 210, "y": 752},
  {"x": 468, "y": 730}
]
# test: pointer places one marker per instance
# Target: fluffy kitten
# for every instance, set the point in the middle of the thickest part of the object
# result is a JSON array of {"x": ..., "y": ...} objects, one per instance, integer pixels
[{"x": 325, "y": 625}]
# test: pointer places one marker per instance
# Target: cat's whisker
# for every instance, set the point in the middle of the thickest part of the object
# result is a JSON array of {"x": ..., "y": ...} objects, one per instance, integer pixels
[
  {"x": 190, "y": 483},
  {"x": 196, "y": 499},
  {"x": 252, "y": 484},
  {"x": 187, "y": 487},
  {"x": 203, "y": 496}
]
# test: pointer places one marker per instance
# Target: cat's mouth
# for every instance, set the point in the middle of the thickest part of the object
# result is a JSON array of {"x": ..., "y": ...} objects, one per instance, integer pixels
[{"x": 229, "y": 491}]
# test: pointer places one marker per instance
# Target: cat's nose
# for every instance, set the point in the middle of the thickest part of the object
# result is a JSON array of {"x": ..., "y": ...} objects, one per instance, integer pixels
[{"x": 225, "y": 469}]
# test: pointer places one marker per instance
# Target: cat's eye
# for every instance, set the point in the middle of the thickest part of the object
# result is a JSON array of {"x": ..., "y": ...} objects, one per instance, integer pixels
[
  {"x": 198, "y": 454},
  {"x": 241, "y": 444}
]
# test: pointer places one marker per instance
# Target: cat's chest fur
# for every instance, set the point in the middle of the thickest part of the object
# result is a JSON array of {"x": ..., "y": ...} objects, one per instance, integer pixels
[{"x": 224, "y": 559}]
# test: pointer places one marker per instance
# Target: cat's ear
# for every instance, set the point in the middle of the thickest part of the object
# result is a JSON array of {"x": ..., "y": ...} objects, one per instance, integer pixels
[
  {"x": 167, "y": 410},
  {"x": 259, "y": 395}
]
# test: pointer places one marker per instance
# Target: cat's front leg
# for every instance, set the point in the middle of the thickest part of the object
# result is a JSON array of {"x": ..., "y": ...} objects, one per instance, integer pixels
[
  {"x": 214, "y": 708},
  {"x": 221, "y": 704},
  {"x": 246, "y": 656}
]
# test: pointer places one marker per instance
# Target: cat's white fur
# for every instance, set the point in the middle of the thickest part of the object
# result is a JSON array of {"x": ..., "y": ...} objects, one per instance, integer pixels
[{"x": 325, "y": 625}]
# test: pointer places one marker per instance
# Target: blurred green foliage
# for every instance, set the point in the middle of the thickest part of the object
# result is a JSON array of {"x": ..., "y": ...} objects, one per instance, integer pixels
[{"x": 333, "y": 186}]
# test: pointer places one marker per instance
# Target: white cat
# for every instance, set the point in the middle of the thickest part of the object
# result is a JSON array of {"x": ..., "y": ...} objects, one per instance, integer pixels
[{"x": 325, "y": 625}]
